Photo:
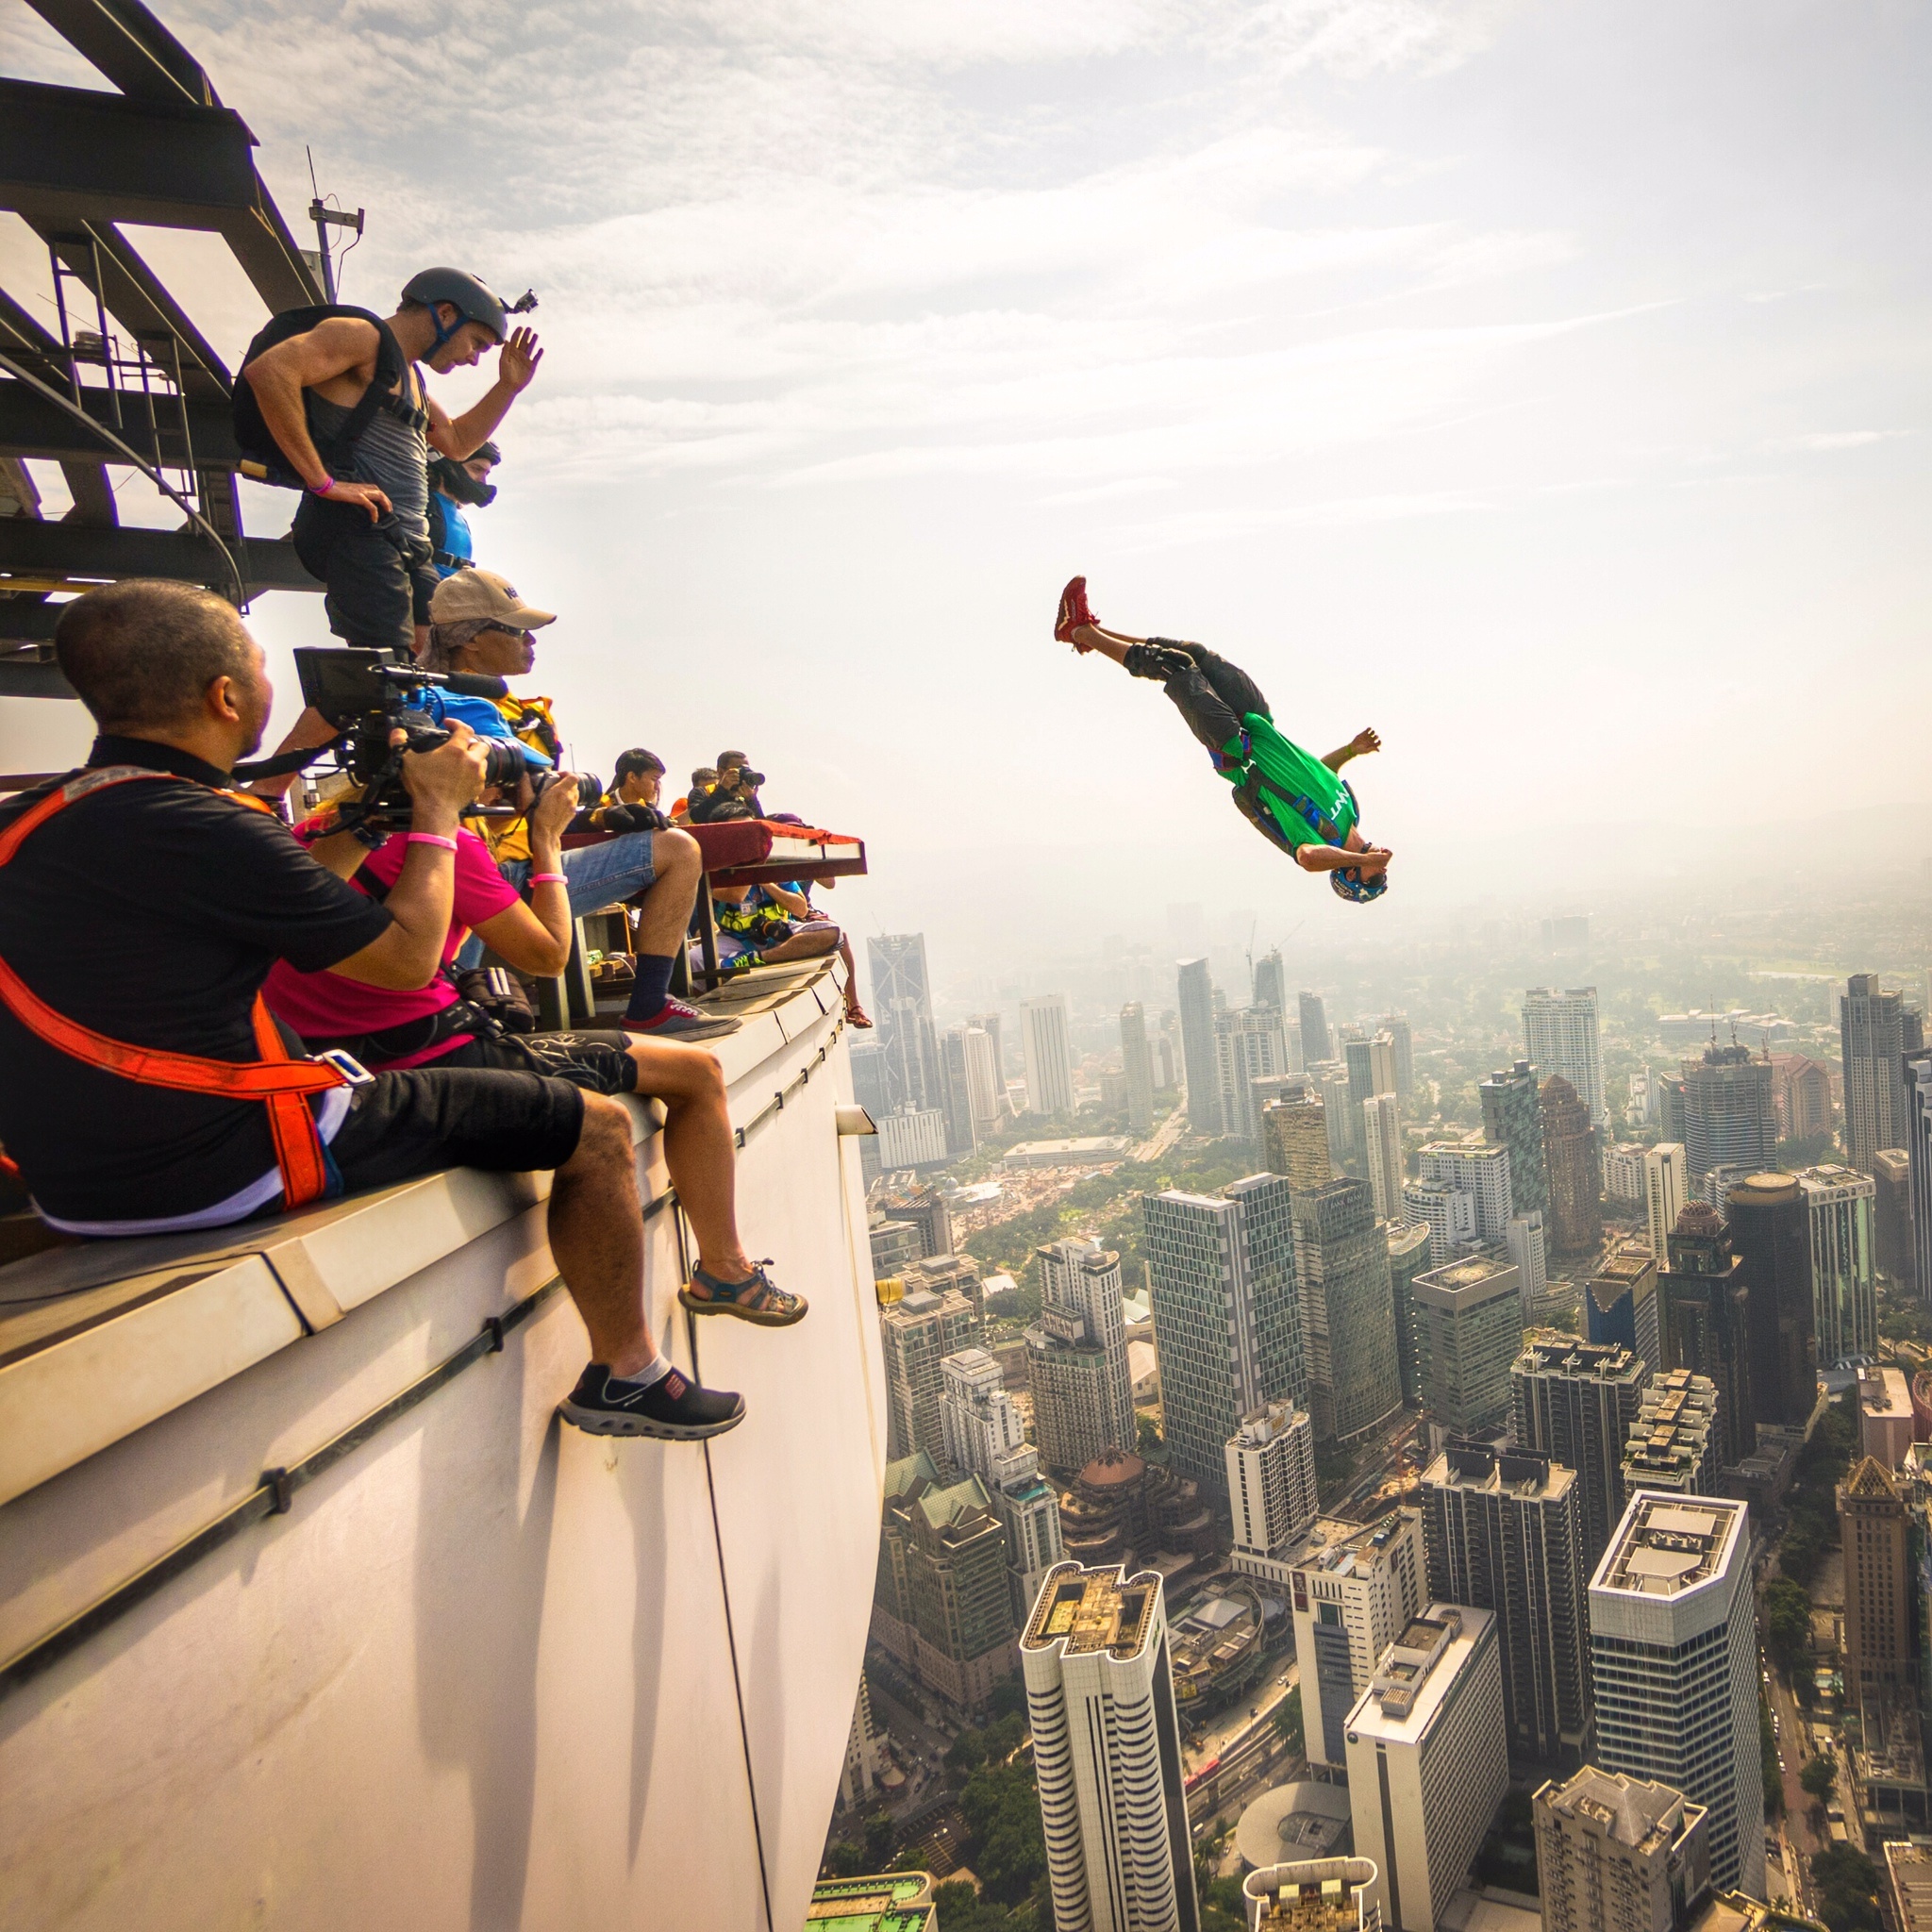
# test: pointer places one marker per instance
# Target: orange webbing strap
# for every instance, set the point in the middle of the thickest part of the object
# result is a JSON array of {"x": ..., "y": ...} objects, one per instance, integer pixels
[{"x": 279, "y": 1083}]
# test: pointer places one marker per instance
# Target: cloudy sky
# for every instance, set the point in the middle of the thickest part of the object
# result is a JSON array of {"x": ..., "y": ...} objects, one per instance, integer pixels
[{"x": 1545, "y": 384}]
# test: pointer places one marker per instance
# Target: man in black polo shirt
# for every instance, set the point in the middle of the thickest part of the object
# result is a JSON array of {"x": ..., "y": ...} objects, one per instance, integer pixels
[{"x": 149, "y": 911}]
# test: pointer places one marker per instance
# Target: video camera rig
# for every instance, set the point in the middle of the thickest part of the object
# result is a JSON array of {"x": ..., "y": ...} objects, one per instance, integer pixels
[{"x": 374, "y": 702}]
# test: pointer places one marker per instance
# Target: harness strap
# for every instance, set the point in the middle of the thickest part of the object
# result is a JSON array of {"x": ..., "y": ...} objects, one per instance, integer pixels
[{"x": 279, "y": 1083}]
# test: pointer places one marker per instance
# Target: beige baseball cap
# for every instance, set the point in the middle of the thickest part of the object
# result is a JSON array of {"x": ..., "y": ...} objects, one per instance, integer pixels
[{"x": 473, "y": 595}]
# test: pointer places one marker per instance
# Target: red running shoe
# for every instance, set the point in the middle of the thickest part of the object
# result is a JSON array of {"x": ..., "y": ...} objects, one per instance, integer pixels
[{"x": 1072, "y": 614}]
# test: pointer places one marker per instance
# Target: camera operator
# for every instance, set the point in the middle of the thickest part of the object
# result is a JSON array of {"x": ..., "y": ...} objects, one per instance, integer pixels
[
  {"x": 366, "y": 535},
  {"x": 452, "y": 485},
  {"x": 142, "y": 906},
  {"x": 734, "y": 796},
  {"x": 632, "y": 803},
  {"x": 483, "y": 627}
]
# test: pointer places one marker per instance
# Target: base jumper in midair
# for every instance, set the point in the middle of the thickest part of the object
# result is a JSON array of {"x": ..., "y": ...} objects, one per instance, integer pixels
[{"x": 1298, "y": 802}]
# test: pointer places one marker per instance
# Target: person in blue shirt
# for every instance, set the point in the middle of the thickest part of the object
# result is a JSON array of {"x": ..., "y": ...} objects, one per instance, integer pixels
[{"x": 452, "y": 486}]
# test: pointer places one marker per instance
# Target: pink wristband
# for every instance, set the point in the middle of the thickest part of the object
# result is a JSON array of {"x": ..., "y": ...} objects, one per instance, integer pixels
[
  {"x": 323, "y": 489},
  {"x": 548, "y": 878},
  {"x": 432, "y": 839}
]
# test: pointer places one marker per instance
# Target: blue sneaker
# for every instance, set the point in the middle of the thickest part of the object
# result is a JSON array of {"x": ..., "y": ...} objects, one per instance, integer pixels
[{"x": 673, "y": 1409}]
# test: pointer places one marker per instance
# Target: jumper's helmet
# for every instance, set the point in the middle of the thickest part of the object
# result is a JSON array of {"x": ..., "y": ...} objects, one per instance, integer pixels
[
  {"x": 472, "y": 299},
  {"x": 1349, "y": 883}
]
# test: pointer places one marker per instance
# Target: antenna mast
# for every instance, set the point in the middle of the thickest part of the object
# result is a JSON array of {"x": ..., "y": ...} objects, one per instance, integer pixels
[{"x": 325, "y": 218}]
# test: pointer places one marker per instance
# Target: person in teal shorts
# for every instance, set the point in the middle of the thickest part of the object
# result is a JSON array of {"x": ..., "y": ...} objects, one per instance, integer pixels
[{"x": 1296, "y": 801}]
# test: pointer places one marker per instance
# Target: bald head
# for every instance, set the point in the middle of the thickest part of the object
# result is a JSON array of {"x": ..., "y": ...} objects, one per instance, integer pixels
[{"x": 144, "y": 654}]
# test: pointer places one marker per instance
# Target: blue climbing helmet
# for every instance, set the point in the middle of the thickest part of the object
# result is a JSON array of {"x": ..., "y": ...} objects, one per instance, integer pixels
[{"x": 1348, "y": 883}]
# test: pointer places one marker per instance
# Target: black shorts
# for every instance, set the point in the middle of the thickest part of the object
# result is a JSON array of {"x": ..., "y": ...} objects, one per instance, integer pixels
[
  {"x": 424, "y": 1118},
  {"x": 378, "y": 579},
  {"x": 599, "y": 1062}
]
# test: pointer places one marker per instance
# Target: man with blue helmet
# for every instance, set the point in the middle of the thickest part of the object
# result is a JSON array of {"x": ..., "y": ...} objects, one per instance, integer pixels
[{"x": 1296, "y": 801}]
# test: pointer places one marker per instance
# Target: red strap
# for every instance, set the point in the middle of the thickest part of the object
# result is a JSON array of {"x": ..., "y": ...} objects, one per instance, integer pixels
[{"x": 276, "y": 1080}]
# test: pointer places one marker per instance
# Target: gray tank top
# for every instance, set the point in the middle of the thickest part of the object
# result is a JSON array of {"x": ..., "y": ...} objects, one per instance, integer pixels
[{"x": 389, "y": 453}]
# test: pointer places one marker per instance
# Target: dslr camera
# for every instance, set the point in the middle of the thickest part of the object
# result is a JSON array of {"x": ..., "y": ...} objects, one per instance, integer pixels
[{"x": 370, "y": 698}]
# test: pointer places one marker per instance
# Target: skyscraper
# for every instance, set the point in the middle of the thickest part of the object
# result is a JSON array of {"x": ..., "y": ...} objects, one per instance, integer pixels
[
  {"x": 1467, "y": 1329},
  {"x": 916, "y": 1334},
  {"x": 1449, "y": 1214},
  {"x": 986, "y": 1086},
  {"x": 1402, "y": 1043},
  {"x": 1729, "y": 1120},
  {"x": 1530, "y": 1253},
  {"x": 1875, "y": 1031},
  {"x": 1428, "y": 1760},
  {"x": 1619, "y": 1303},
  {"x": 1878, "y": 1569},
  {"x": 1226, "y": 1318},
  {"x": 1480, "y": 1172},
  {"x": 1838, "y": 1203},
  {"x": 1200, "y": 1066},
  {"x": 1673, "y": 1443},
  {"x": 1666, "y": 1188},
  {"x": 1354, "y": 1588},
  {"x": 1574, "y": 1402},
  {"x": 1706, "y": 1324},
  {"x": 1049, "y": 1053},
  {"x": 1771, "y": 1233},
  {"x": 1918, "y": 1077},
  {"x": 1891, "y": 1217},
  {"x": 962, "y": 1131},
  {"x": 1339, "y": 1113},
  {"x": 1107, "y": 1753},
  {"x": 1348, "y": 1312},
  {"x": 1248, "y": 1046},
  {"x": 1315, "y": 1045},
  {"x": 1076, "y": 1357},
  {"x": 985, "y": 1438},
  {"x": 1382, "y": 1142},
  {"x": 1271, "y": 982},
  {"x": 1370, "y": 1068},
  {"x": 1270, "y": 1488},
  {"x": 1574, "y": 1220},
  {"x": 902, "y": 996},
  {"x": 1617, "y": 1854},
  {"x": 942, "y": 1604},
  {"x": 1513, "y": 1119},
  {"x": 1409, "y": 1257},
  {"x": 1295, "y": 1142},
  {"x": 1560, "y": 1035},
  {"x": 1138, "y": 1062},
  {"x": 1674, "y": 1656},
  {"x": 1500, "y": 1532}
]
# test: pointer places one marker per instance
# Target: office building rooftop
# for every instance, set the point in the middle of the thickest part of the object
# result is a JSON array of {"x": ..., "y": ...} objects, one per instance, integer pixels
[
  {"x": 1416, "y": 1672},
  {"x": 1088, "y": 1610},
  {"x": 1669, "y": 1544},
  {"x": 1312, "y": 1895}
]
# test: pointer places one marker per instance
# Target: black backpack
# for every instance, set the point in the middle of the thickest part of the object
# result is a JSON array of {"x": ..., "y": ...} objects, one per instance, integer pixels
[{"x": 388, "y": 391}]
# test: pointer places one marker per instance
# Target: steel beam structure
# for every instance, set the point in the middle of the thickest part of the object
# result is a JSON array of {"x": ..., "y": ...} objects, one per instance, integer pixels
[{"x": 65, "y": 553}]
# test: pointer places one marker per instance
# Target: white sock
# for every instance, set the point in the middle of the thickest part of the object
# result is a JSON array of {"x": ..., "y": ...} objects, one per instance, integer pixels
[{"x": 658, "y": 1368}]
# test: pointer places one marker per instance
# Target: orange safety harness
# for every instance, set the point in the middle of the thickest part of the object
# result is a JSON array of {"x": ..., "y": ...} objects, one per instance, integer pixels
[{"x": 281, "y": 1084}]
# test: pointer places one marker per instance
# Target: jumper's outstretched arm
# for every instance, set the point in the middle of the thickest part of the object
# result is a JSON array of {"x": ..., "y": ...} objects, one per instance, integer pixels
[{"x": 1359, "y": 746}]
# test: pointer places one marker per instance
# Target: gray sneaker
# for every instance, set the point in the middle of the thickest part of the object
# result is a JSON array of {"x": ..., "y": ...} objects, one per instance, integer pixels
[{"x": 673, "y": 1019}]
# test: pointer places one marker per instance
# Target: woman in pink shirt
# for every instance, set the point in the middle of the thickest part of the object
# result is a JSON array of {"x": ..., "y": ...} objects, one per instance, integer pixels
[{"x": 435, "y": 1027}]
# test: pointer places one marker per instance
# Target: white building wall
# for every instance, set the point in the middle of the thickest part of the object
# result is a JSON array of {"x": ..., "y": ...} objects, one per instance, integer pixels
[
  {"x": 912, "y": 1139},
  {"x": 1272, "y": 1488},
  {"x": 1382, "y": 1141},
  {"x": 1666, "y": 1189},
  {"x": 1528, "y": 1252},
  {"x": 1049, "y": 1053},
  {"x": 488, "y": 1668}
]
